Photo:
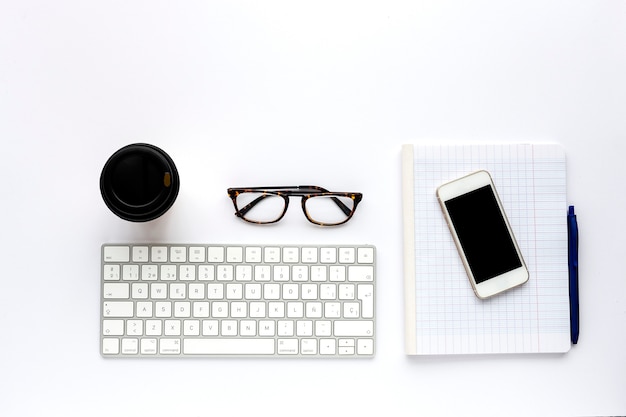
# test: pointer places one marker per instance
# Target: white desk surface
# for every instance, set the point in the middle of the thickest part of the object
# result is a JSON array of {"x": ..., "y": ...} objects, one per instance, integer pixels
[{"x": 285, "y": 93}]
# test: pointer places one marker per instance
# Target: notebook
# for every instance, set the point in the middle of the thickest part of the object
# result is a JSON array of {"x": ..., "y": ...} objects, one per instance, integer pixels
[{"x": 443, "y": 316}]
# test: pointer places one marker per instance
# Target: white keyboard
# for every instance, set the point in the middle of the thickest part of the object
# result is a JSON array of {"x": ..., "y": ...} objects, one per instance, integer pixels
[{"x": 174, "y": 300}]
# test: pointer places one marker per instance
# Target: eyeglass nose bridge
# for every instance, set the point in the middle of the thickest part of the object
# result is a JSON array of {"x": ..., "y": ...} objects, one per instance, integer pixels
[
  {"x": 303, "y": 204},
  {"x": 286, "y": 200}
]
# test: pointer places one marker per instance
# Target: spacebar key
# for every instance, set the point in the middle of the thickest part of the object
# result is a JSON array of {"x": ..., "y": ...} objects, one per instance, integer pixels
[{"x": 228, "y": 347}]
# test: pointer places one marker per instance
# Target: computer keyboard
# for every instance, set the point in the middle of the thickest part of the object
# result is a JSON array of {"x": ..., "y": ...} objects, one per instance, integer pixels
[{"x": 175, "y": 300}]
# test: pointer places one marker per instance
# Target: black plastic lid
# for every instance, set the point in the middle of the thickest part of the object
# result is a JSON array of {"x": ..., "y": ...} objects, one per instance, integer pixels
[{"x": 139, "y": 182}]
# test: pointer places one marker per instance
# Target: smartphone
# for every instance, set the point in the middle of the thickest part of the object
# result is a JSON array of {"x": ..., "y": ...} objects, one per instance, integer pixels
[{"x": 482, "y": 234}]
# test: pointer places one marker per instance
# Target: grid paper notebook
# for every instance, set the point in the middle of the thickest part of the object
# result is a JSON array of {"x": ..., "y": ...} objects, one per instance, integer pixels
[{"x": 443, "y": 316}]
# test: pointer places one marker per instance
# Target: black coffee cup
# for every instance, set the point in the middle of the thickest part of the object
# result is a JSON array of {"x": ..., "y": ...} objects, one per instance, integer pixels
[{"x": 139, "y": 182}]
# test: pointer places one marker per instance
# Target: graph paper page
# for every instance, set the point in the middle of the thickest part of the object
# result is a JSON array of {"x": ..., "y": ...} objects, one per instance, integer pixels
[{"x": 444, "y": 316}]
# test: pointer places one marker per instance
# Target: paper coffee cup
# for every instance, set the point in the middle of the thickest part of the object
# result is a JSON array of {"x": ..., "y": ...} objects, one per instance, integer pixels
[{"x": 139, "y": 182}]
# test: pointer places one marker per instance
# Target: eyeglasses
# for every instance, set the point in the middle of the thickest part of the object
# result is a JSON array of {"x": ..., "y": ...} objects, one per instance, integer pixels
[{"x": 264, "y": 205}]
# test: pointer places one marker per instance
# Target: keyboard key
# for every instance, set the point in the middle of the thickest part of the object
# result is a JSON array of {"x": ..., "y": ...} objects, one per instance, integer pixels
[
  {"x": 288, "y": 346},
  {"x": 360, "y": 273},
  {"x": 308, "y": 346},
  {"x": 243, "y": 273},
  {"x": 253, "y": 255},
  {"x": 154, "y": 328},
  {"x": 169, "y": 346},
  {"x": 229, "y": 346},
  {"x": 328, "y": 255},
  {"x": 210, "y": 327},
  {"x": 201, "y": 309},
  {"x": 300, "y": 273},
  {"x": 328, "y": 291},
  {"x": 116, "y": 254},
  {"x": 178, "y": 254},
  {"x": 158, "y": 291},
  {"x": 112, "y": 327},
  {"x": 215, "y": 291},
  {"x": 196, "y": 291},
  {"x": 130, "y": 272},
  {"x": 140, "y": 254},
  {"x": 354, "y": 328},
  {"x": 168, "y": 273},
  {"x": 234, "y": 254},
  {"x": 110, "y": 346},
  {"x": 134, "y": 327},
  {"x": 328, "y": 346},
  {"x": 111, "y": 272},
  {"x": 365, "y": 255},
  {"x": 337, "y": 273},
  {"x": 144, "y": 309},
  {"x": 191, "y": 328},
  {"x": 206, "y": 272},
  {"x": 272, "y": 255},
  {"x": 148, "y": 346},
  {"x": 346, "y": 255},
  {"x": 130, "y": 346},
  {"x": 346, "y": 291},
  {"x": 351, "y": 310},
  {"x": 365, "y": 293},
  {"x": 319, "y": 273},
  {"x": 158, "y": 254},
  {"x": 197, "y": 254},
  {"x": 262, "y": 273},
  {"x": 309, "y": 255},
  {"x": 225, "y": 273},
  {"x": 149, "y": 272},
  {"x": 323, "y": 328},
  {"x": 216, "y": 254},
  {"x": 365, "y": 346},
  {"x": 187, "y": 272},
  {"x": 163, "y": 309},
  {"x": 118, "y": 309},
  {"x": 116, "y": 290},
  {"x": 291, "y": 255}
]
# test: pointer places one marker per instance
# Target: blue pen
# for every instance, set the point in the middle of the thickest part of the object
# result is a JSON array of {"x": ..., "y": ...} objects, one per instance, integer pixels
[{"x": 572, "y": 234}]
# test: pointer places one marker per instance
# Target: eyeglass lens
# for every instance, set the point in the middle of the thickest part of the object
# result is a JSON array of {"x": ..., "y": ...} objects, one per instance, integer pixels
[
  {"x": 260, "y": 207},
  {"x": 328, "y": 209}
]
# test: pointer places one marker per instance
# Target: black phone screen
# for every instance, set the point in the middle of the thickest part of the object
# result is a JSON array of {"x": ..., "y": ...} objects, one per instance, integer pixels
[{"x": 483, "y": 234}]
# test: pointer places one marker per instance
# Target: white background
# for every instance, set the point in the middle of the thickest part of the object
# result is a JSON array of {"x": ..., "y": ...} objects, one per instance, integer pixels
[{"x": 285, "y": 93}]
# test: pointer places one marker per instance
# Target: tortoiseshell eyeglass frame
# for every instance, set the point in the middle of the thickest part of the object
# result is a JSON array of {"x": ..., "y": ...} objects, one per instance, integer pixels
[{"x": 304, "y": 191}]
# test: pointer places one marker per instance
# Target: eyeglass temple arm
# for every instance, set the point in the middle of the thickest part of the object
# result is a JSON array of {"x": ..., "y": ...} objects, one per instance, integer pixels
[
  {"x": 346, "y": 210},
  {"x": 242, "y": 211}
]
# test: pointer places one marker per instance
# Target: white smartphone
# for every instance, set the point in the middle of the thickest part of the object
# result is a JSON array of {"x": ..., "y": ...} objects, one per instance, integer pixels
[{"x": 482, "y": 234}]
